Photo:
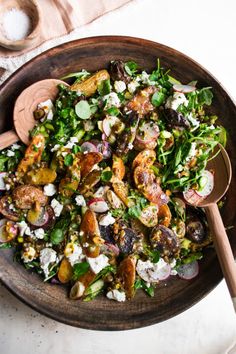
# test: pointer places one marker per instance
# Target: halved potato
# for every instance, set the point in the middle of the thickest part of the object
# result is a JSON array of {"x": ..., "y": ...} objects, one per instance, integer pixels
[
  {"x": 90, "y": 234},
  {"x": 40, "y": 176},
  {"x": 65, "y": 271},
  {"x": 141, "y": 102},
  {"x": 89, "y": 86},
  {"x": 164, "y": 215},
  {"x": 145, "y": 159},
  {"x": 33, "y": 153},
  {"x": 126, "y": 273},
  {"x": 26, "y": 196},
  {"x": 118, "y": 167},
  {"x": 88, "y": 161}
]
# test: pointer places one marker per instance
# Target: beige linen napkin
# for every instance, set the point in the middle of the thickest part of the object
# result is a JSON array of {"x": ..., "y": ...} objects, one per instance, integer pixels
[{"x": 59, "y": 17}]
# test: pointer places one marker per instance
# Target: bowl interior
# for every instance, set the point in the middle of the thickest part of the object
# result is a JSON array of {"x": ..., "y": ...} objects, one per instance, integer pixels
[{"x": 175, "y": 295}]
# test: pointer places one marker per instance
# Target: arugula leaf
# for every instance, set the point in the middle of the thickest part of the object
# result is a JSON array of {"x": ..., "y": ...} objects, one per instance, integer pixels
[
  {"x": 158, "y": 98},
  {"x": 68, "y": 160},
  {"x": 104, "y": 88},
  {"x": 80, "y": 269},
  {"x": 80, "y": 75},
  {"x": 113, "y": 111},
  {"x": 106, "y": 176},
  {"x": 82, "y": 109},
  {"x": 3, "y": 159},
  {"x": 4, "y": 246},
  {"x": 140, "y": 284},
  {"x": 131, "y": 67}
]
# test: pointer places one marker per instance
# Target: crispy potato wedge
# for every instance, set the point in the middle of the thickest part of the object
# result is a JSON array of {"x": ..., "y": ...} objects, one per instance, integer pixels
[
  {"x": 89, "y": 86},
  {"x": 78, "y": 289},
  {"x": 5, "y": 210},
  {"x": 118, "y": 167},
  {"x": 26, "y": 196},
  {"x": 141, "y": 102},
  {"x": 90, "y": 181},
  {"x": 145, "y": 159},
  {"x": 90, "y": 233},
  {"x": 126, "y": 273},
  {"x": 164, "y": 215},
  {"x": 149, "y": 216},
  {"x": 147, "y": 183},
  {"x": 121, "y": 189},
  {"x": 88, "y": 161},
  {"x": 40, "y": 176},
  {"x": 65, "y": 271},
  {"x": 33, "y": 154}
]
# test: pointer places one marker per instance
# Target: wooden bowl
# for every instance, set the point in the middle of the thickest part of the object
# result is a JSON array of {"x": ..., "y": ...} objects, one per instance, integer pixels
[
  {"x": 172, "y": 297},
  {"x": 31, "y": 9}
]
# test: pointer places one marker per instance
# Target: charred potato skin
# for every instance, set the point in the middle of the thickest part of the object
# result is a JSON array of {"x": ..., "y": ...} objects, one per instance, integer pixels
[
  {"x": 89, "y": 86},
  {"x": 164, "y": 240},
  {"x": 26, "y": 196},
  {"x": 6, "y": 211},
  {"x": 33, "y": 154},
  {"x": 88, "y": 161},
  {"x": 127, "y": 275},
  {"x": 90, "y": 234}
]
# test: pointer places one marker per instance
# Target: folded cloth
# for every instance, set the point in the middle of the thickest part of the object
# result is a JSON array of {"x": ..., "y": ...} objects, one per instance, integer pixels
[{"x": 60, "y": 17}]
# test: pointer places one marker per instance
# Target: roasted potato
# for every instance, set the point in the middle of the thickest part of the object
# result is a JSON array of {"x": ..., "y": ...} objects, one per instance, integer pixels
[
  {"x": 26, "y": 196},
  {"x": 121, "y": 189},
  {"x": 141, "y": 102},
  {"x": 164, "y": 215},
  {"x": 65, "y": 271},
  {"x": 90, "y": 234},
  {"x": 89, "y": 86},
  {"x": 149, "y": 216},
  {"x": 90, "y": 181},
  {"x": 118, "y": 168},
  {"x": 145, "y": 159},
  {"x": 6, "y": 210},
  {"x": 126, "y": 273},
  {"x": 40, "y": 176},
  {"x": 33, "y": 154},
  {"x": 88, "y": 161}
]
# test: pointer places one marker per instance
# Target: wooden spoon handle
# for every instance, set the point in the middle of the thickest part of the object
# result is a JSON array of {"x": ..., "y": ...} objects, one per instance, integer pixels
[
  {"x": 8, "y": 138},
  {"x": 223, "y": 248}
]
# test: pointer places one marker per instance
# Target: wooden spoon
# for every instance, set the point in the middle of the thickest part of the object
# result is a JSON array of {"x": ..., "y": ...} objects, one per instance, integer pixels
[
  {"x": 25, "y": 105},
  {"x": 222, "y": 176}
]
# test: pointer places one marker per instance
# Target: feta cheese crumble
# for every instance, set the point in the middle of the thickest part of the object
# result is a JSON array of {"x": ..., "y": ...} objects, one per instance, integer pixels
[
  {"x": 47, "y": 257},
  {"x": 57, "y": 207},
  {"x": 28, "y": 255},
  {"x": 80, "y": 201},
  {"x": 98, "y": 263},
  {"x": 49, "y": 189},
  {"x": 73, "y": 253},
  {"x": 24, "y": 228},
  {"x": 10, "y": 153},
  {"x": 39, "y": 233},
  {"x": 48, "y": 107},
  {"x": 112, "y": 100},
  {"x": 116, "y": 295},
  {"x": 132, "y": 86},
  {"x": 73, "y": 141},
  {"x": 119, "y": 86},
  {"x": 176, "y": 100},
  {"x": 56, "y": 147},
  {"x": 153, "y": 272},
  {"x": 107, "y": 220}
]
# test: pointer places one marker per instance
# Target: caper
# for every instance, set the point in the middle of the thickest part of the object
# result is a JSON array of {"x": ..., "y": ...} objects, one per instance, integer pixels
[{"x": 39, "y": 113}]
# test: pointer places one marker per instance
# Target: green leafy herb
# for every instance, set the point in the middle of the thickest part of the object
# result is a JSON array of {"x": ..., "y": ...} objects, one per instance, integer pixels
[
  {"x": 104, "y": 88},
  {"x": 68, "y": 160},
  {"x": 106, "y": 176},
  {"x": 58, "y": 233},
  {"x": 113, "y": 111},
  {"x": 80, "y": 269},
  {"x": 140, "y": 284},
  {"x": 131, "y": 67},
  {"x": 158, "y": 98},
  {"x": 82, "y": 109},
  {"x": 4, "y": 246},
  {"x": 80, "y": 75}
]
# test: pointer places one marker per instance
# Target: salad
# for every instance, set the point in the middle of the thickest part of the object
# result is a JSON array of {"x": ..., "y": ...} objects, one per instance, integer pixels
[{"x": 100, "y": 199}]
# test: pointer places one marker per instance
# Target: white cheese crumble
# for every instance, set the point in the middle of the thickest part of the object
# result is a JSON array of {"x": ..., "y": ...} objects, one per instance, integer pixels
[
  {"x": 194, "y": 122},
  {"x": 112, "y": 100},
  {"x": 10, "y": 153},
  {"x": 73, "y": 141},
  {"x": 56, "y": 147},
  {"x": 24, "y": 228},
  {"x": 107, "y": 220},
  {"x": 47, "y": 256},
  {"x": 39, "y": 233},
  {"x": 88, "y": 125},
  {"x": 192, "y": 152},
  {"x": 119, "y": 86},
  {"x": 28, "y": 255},
  {"x": 152, "y": 272},
  {"x": 49, "y": 189},
  {"x": 132, "y": 86},
  {"x": 48, "y": 107},
  {"x": 101, "y": 192},
  {"x": 80, "y": 201},
  {"x": 176, "y": 100},
  {"x": 116, "y": 295},
  {"x": 98, "y": 263},
  {"x": 15, "y": 146},
  {"x": 73, "y": 253},
  {"x": 3, "y": 185},
  {"x": 57, "y": 207}
]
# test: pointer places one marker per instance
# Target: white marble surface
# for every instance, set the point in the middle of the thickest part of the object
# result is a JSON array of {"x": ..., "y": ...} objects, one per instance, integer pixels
[{"x": 206, "y": 31}]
